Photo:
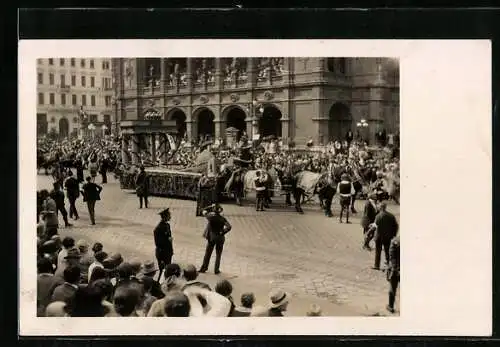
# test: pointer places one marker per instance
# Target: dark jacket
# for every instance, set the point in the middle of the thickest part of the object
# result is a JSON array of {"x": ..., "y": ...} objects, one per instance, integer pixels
[
  {"x": 142, "y": 184},
  {"x": 369, "y": 214},
  {"x": 217, "y": 228},
  {"x": 394, "y": 264},
  {"x": 72, "y": 188},
  {"x": 58, "y": 196},
  {"x": 387, "y": 226},
  {"x": 91, "y": 192},
  {"x": 162, "y": 235}
]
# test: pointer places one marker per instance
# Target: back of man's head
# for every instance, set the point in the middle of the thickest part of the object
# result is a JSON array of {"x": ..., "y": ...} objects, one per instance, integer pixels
[
  {"x": 44, "y": 265},
  {"x": 68, "y": 242},
  {"x": 72, "y": 274},
  {"x": 190, "y": 272},
  {"x": 177, "y": 305}
]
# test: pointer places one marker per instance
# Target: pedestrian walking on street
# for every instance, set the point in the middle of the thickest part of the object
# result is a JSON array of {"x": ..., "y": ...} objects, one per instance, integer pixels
[
  {"x": 346, "y": 191},
  {"x": 72, "y": 192},
  {"x": 369, "y": 214},
  {"x": 103, "y": 169},
  {"x": 91, "y": 193},
  {"x": 215, "y": 231},
  {"x": 58, "y": 195},
  {"x": 142, "y": 187},
  {"x": 93, "y": 168},
  {"x": 386, "y": 227},
  {"x": 393, "y": 272},
  {"x": 163, "y": 240},
  {"x": 79, "y": 169}
]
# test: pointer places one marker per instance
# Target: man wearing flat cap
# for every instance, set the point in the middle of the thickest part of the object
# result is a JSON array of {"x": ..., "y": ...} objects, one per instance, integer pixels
[{"x": 163, "y": 240}]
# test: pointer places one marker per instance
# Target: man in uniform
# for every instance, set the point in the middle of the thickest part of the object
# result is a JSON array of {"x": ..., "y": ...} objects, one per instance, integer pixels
[
  {"x": 163, "y": 241},
  {"x": 215, "y": 231},
  {"x": 346, "y": 191},
  {"x": 393, "y": 272}
]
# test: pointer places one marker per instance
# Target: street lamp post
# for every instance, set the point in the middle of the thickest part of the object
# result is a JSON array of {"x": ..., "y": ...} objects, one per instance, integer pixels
[{"x": 363, "y": 124}]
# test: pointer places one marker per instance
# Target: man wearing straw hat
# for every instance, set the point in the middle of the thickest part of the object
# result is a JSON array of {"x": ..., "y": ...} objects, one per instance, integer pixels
[{"x": 163, "y": 240}]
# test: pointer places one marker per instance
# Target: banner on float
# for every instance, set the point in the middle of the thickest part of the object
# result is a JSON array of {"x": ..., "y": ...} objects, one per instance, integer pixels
[{"x": 171, "y": 141}]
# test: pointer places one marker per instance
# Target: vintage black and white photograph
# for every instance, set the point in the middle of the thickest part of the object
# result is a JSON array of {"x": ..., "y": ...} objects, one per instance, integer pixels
[
  {"x": 218, "y": 186},
  {"x": 203, "y": 183}
]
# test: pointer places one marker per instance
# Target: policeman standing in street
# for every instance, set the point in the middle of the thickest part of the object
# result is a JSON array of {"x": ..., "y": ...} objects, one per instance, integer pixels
[
  {"x": 163, "y": 241},
  {"x": 215, "y": 231}
]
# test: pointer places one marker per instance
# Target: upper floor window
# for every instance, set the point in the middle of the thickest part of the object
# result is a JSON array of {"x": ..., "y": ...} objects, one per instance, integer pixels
[
  {"x": 82, "y": 63},
  {"x": 91, "y": 63},
  {"x": 51, "y": 61},
  {"x": 61, "y": 62},
  {"x": 40, "y": 78},
  {"x": 73, "y": 62}
]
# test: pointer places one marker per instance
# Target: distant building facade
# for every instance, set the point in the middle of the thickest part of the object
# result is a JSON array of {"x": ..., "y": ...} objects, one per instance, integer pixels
[
  {"x": 292, "y": 98},
  {"x": 73, "y": 93}
]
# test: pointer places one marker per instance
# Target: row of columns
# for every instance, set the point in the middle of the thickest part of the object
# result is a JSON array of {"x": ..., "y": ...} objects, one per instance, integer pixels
[
  {"x": 252, "y": 127},
  {"x": 130, "y": 151}
]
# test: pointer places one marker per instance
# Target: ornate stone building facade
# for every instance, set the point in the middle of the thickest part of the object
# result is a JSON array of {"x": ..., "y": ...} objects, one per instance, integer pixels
[{"x": 292, "y": 98}]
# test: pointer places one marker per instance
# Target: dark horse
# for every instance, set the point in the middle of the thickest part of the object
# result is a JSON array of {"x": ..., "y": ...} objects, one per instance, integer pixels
[{"x": 307, "y": 183}]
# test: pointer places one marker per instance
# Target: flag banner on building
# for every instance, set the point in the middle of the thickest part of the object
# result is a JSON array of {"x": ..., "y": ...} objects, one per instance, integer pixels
[{"x": 171, "y": 141}]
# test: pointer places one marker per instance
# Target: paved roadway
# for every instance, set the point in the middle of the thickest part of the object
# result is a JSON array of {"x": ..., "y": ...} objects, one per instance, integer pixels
[{"x": 311, "y": 256}]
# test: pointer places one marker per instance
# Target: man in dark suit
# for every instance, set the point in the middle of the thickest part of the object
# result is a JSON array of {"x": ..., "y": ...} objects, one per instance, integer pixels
[
  {"x": 91, "y": 194},
  {"x": 215, "y": 231},
  {"x": 163, "y": 241},
  {"x": 386, "y": 228},
  {"x": 72, "y": 192},
  {"x": 393, "y": 271},
  {"x": 142, "y": 187},
  {"x": 58, "y": 195},
  {"x": 66, "y": 291},
  {"x": 369, "y": 214}
]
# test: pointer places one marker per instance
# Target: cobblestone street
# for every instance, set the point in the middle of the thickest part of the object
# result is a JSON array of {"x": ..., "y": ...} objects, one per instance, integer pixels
[{"x": 313, "y": 257}]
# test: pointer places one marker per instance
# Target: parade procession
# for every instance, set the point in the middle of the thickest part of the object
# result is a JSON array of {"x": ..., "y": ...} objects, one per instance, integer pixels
[{"x": 292, "y": 210}]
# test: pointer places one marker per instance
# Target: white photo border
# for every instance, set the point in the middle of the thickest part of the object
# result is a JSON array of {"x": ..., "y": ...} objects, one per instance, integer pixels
[{"x": 446, "y": 175}]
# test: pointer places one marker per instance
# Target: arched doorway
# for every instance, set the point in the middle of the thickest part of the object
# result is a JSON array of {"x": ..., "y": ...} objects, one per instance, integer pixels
[
  {"x": 63, "y": 128},
  {"x": 206, "y": 125},
  {"x": 235, "y": 118},
  {"x": 180, "y": 122},
  {"x": 270, "y": 122},
  {"x": 339, "y": 121}
]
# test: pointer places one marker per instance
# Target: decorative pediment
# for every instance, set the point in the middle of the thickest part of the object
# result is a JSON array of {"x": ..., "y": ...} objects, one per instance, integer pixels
[
  {"x": 268, "y": 95},
  {"x": 234, "y": 97},
  {"x": 204, "y": 99}
]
